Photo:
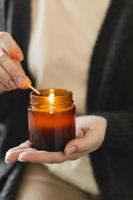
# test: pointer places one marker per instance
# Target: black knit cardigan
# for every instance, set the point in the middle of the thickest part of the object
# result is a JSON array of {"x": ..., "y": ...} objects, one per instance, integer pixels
[{"x": 110, "y": 94}]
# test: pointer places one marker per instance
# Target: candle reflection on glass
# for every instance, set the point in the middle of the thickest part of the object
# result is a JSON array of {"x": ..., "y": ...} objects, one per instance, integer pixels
[{"x": 51, "y": 119}]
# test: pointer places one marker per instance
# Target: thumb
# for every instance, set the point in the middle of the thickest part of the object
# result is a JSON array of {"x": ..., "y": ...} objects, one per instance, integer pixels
[{"x": 79, "y": 145}]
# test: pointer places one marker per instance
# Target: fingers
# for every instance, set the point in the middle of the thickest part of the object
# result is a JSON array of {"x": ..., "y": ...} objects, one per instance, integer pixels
[
  {"x": 10, "y": 46},
  {"x": 90, "y": 132},
  {"x": 13, "y": 153},
  {"x": 75, "y": 156},
  {"x": 42, "y": 157},
  {"x": 78, "y": 145},
  {"x": 3, "y": 88},
  {"x": 34, "y": 156},
  {"x": 11, "y": 73},
  {"x": 25, "y": 153},
  {"x": 81, "y": 145},
  {"x": 6, "y": 81},
  {"x": 12, "y": 156},
  {"x": 24, "y": 145}
]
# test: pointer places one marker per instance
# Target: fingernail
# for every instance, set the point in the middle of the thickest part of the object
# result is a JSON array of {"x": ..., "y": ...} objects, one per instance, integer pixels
[
  {"x": 12, "y": 84},
  {"x": 20, "y": 56},
  {"x": 23, "y": 82},
  {"x": 71, "y": 150},
  {"x": 20, "y": 158}
]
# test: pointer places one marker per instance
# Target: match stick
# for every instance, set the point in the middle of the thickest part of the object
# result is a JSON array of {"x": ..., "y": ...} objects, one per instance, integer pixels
[{"x": 35, "y": 90}]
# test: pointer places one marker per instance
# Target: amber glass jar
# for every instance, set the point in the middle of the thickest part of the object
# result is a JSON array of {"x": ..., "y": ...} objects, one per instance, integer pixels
[{"x": 51, "y": 118}]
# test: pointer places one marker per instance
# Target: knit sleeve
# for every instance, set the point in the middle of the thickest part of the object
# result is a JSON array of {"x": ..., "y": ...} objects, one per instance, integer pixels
[{"x": 119, "y": 133}]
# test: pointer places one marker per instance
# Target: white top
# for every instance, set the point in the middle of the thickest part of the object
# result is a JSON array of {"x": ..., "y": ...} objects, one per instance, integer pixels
[{"x": 63, "y": 36}]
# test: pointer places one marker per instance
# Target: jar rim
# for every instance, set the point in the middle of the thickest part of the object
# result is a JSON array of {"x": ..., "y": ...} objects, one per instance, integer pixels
[
  {"x": 44, "y": 93},
  {"x": 62, "y": 96}
]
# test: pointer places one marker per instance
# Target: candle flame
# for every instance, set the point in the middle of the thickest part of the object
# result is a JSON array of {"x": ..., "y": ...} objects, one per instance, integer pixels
[{"x": 51, "y": 98}]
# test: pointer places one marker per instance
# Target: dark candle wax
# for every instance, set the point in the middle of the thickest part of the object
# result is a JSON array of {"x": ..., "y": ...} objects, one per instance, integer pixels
[{"x": 51, "y": 131}]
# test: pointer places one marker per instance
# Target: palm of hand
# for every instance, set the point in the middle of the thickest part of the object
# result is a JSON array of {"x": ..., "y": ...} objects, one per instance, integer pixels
[{"x": 90, "y": 133}]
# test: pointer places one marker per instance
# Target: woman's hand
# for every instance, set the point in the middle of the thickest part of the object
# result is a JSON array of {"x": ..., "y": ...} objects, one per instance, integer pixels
[
  {"x": 12, "y": 75},
  {"x": 90, "y": 131}
]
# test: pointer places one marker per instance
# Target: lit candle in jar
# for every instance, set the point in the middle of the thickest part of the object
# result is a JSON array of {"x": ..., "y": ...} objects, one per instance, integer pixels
[{"x": 51, "y": 118}]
